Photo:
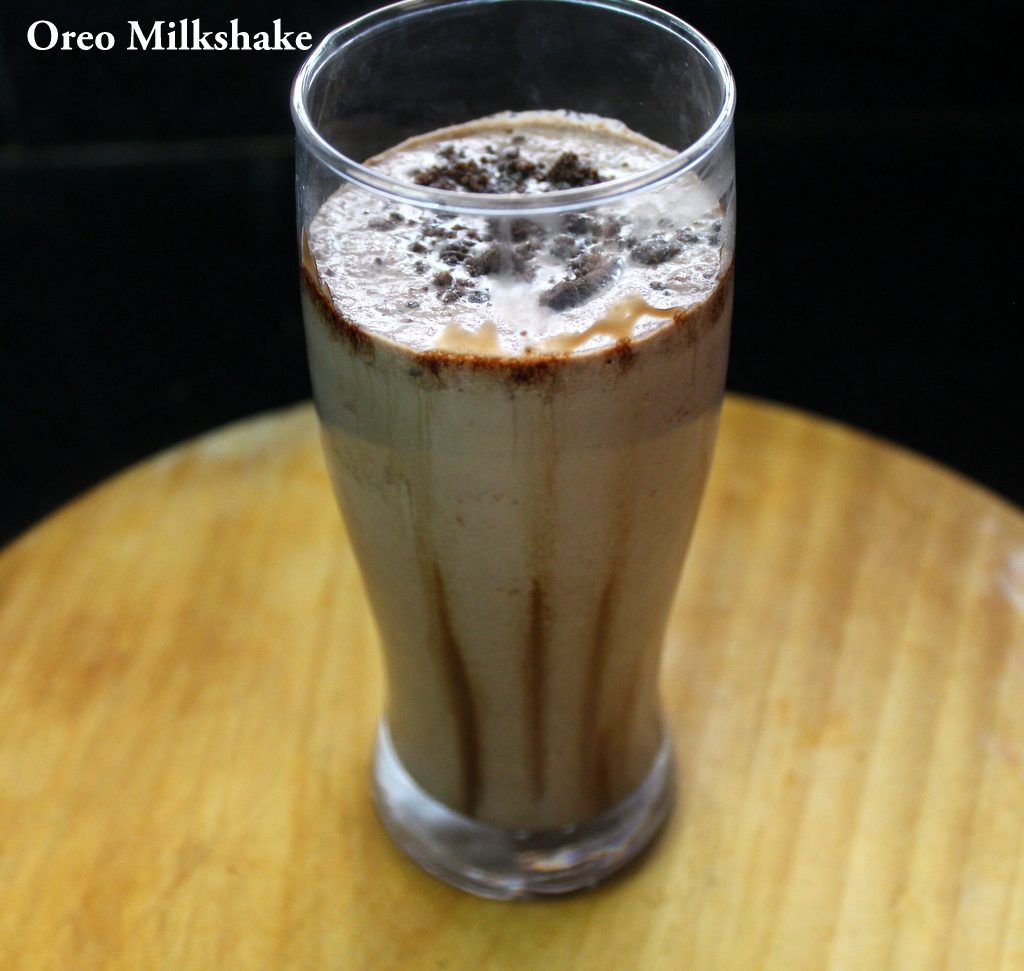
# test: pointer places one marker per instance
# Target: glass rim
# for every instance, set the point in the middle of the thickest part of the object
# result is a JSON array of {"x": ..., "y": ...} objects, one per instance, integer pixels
[{"x": 494, "y": 204}]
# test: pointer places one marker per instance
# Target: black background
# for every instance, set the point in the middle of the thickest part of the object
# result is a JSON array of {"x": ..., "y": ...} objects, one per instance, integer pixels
[{"x": 147, "y": 219}]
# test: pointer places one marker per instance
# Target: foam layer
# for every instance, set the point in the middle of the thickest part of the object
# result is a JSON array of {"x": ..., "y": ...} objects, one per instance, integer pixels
[{"x": 518, "y": 287}]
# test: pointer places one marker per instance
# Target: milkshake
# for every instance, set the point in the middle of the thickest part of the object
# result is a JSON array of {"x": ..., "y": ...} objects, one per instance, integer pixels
[{"x": 518, "y": 416}]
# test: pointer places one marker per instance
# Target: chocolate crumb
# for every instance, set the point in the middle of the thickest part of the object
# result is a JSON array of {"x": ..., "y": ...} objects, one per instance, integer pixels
[
  {"x": 455, "y": 174},
  {"x": 687, "y": 235},
  {"x": 579, "y": 224},
  {"x": 564, "y": 247},
  {"x": 513, "y": 173},
  {"x": 417, "y": 247},
  {"x": 460, "y": 287},
  {"x": 591, "y": 274},
  {"x": 654, "y": 250},
  {"x": 442, "y": 278},
  {"x": 612, "y": 226},
  {"x": 568, "y": 172},
  {"x": 485, "y": 262},
  {"x": 500, "y": 256},
  {"x": 454, "y": 253},
  {"x": 521, "y": 229},
  {"x": 522, "y": 260}
]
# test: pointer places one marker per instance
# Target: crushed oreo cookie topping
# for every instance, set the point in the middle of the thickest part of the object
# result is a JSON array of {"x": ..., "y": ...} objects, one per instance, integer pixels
[
  {"x": 584, "y": 242},
  {"x": 588, "y": 275},
  {"x": 654, "y": 250},
  {"x": 507, "y": 170},
  {"x": 532, "y": 275}
]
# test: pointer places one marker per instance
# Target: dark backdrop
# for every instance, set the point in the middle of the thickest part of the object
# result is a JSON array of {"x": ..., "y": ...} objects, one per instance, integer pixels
[{"x": 149, "y": 290}]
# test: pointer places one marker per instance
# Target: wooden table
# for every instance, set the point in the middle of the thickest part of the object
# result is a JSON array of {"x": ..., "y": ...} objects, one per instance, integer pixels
[{"x": 189, "y": 683}]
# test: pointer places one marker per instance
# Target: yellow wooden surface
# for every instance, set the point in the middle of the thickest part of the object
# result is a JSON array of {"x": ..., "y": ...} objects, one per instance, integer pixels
[{"x": 188, "y": 688}]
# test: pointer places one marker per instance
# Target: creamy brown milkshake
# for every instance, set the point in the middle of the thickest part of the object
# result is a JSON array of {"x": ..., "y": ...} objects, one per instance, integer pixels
[{"x": 518, "y": 417}]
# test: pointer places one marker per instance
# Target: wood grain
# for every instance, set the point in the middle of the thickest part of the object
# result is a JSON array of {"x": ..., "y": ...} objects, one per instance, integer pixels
[{"x": 188, "y": 689}]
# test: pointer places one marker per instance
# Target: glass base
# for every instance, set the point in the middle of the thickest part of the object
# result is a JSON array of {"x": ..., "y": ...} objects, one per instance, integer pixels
[{"x": 504, "y": 864}]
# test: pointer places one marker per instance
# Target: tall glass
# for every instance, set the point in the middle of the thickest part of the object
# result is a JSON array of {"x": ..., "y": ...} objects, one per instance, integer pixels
[{"x": 520, "y": 514}]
